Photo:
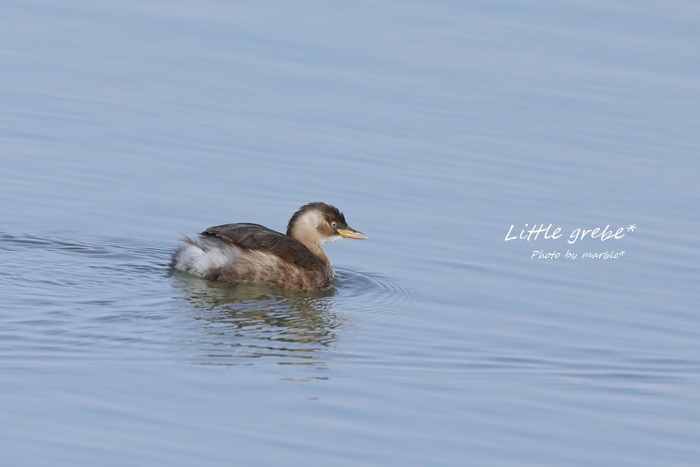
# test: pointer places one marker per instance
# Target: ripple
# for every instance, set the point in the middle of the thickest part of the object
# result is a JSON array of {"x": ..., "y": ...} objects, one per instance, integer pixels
[
  {"x": 126, "y": 252},
  {"x": 81, "y": 281},
  {"x": 379, "y": 295},
  {"x": 126, "y": 284}
]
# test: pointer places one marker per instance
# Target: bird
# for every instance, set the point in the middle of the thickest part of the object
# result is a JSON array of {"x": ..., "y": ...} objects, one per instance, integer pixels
[{"x": 252, "y": 253}]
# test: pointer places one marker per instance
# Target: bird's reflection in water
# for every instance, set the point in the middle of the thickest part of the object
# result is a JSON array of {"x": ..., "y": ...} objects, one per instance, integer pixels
[{"x": 242, "y": 323}]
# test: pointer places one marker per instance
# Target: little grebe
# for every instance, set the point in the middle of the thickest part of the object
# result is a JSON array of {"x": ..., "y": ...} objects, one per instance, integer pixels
[{"x": 253, "y": 253}]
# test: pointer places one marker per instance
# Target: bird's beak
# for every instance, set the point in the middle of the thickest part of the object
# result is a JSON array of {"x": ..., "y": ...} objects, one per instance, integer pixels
[{"x": 351, "y": 233}]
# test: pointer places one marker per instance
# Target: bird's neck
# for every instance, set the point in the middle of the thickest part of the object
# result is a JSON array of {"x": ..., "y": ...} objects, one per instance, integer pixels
[
  {"x": 317, "y": 251},
  {"x": 304, "y": 236}
]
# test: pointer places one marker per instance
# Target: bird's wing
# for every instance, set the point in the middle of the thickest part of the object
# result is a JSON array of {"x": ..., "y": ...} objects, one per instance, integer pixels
[{"x": 260, "y": 238}]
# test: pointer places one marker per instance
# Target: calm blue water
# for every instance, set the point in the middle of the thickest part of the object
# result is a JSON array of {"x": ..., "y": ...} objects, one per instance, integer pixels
[{"x": 434, "y": 127}]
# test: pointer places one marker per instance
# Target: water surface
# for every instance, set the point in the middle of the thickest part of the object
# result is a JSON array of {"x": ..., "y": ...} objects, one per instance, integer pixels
[{"x": 434, "y": 127}]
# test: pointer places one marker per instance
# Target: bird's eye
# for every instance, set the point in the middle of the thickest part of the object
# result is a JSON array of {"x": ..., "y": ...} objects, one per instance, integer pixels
[{"x": 334, "y": 224}]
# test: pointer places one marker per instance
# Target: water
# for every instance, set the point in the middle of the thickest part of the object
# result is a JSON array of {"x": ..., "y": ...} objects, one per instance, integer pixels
[{"x": 434, "y": 127}]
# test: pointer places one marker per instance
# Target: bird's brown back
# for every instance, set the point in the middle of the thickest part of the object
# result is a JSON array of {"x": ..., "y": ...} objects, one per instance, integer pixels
[{"x": 257, "y": 237}]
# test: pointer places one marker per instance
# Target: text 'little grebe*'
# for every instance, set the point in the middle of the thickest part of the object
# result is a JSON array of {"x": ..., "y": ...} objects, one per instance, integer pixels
[{"x": 255, "y": 254}]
